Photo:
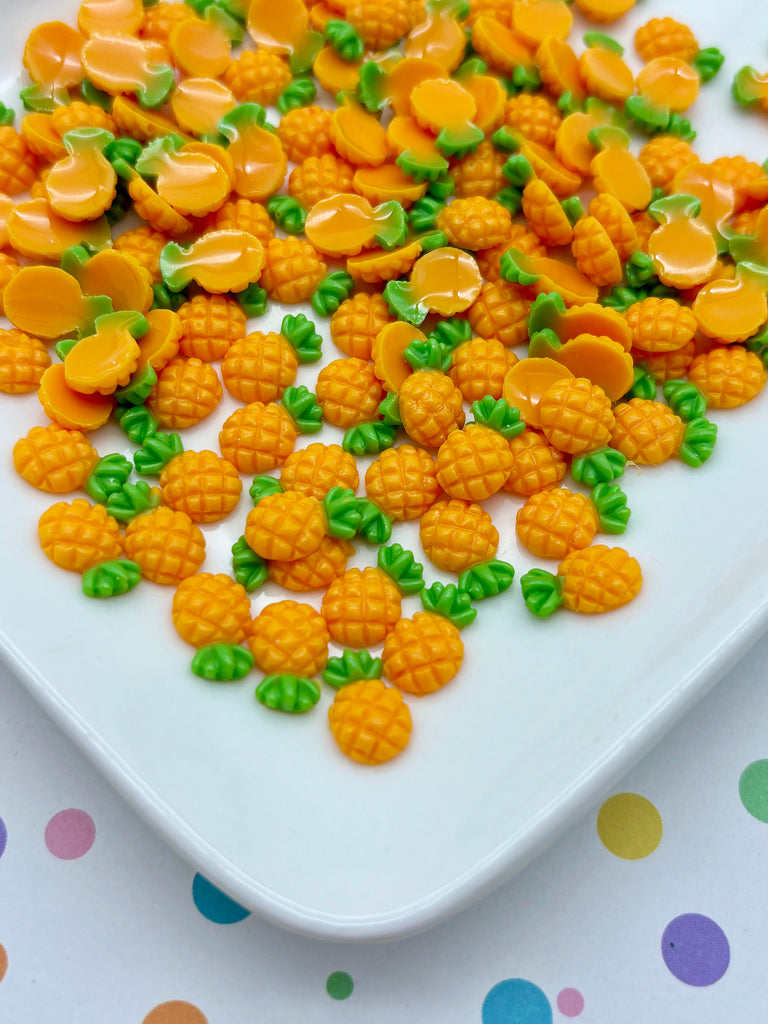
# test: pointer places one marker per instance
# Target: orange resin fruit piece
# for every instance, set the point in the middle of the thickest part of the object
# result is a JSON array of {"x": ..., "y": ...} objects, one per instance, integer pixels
[
  {"x": 198, "y": 104},
  {"x": 422, "y": 654},
  {"x": 288, "y": 636},
  {"x": 166, "y": 544},
  {"x": 370, "y": 721},
  {"x": 617, "y": 171},
  {"x": 357, "y": 135},
  {"x": 108, "y": 16},
  {"x": 733, "y": 310},
  {"x": 256, "y": 153},
  {"x": 536, "y": 20},
  {"x": 439, "y": 38},
  {"x": 210, "y": 609},
  {"x": 501, "y": 46},
  {"x": 119, "y": 64},
  {"x": 77, "y": 535},
  {"x": 716, "y": 195},
  {"x": 604, "y": 10},
  {"x": 202, "y": 484},
  {"x": 285, "y": 526},
  {"x": 682, "y": 248},
  {"x": 118, "y": 276},
  {"x": 202, "y": 47},
  {"x": 360, "y": 607},
  {"x": 106, "y": 359},
  {"x": 525, "y": 383},
  {"x": 23, "y": 361},
  {"x": 387, "y": 182},
  {"x": 575, "y": 415},
  {"x": 160, "y": 343},
  {"x": 334, "y": 73},
  {"x": 402, "y": 481},
  {"x": 555, "y": 522},
  {"x": 316, "y": 571},
  {"x": 444, "y": 281},
  {"x": 52, "y": 57},
  {"x": 572, "y": 144},
  {"x": 375, "y": 266},
  {"x": 65, "y": 310},
  {"x": 445, "y": 108},
  {"x": 395, "y": 88},
  {"x": 344, "y": 224},
  {"x": 456, "y": 535},
  {"x": 559, "y": 68},
  {"x": 67, "y": 407},
  {"x": 192, "y": 180},
  {"x": 37, "y": 231},
  {"x": 546, "y": 274},
  {"x": 282, "y": 28},
  {"x": 605, "y": 74},
  {"x": 599, "y": 579},
  {"x": 54, "y": 459},
  {"x": 218, "y": 261},
  {"x": 669, "y": 83},
  {"x": 601, "y": 360}
]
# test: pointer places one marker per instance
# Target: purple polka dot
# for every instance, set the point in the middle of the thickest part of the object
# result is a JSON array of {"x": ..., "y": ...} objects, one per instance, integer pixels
[
  {"x": 70, "y": 834},
  {"x": 3, "y": 837},
  {"x": 570, "y": 1002},
  {"x": 695, "y": 949}
]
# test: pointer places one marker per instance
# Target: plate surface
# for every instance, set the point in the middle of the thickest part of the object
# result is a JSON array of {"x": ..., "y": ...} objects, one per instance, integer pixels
[{"x": 543, "y": 718}]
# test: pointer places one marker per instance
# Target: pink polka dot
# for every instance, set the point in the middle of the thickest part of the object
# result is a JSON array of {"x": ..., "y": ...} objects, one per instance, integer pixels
[
  {"x": 70, "y": 834},
  {"x": 570, "y": 1002}
]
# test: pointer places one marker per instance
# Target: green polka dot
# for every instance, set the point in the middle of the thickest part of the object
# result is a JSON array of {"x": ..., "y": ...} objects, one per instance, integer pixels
[
  {"x": 629, "y": 826},
  {"x": 339, "y": 985},
  {"x": 753, "y": 789}
]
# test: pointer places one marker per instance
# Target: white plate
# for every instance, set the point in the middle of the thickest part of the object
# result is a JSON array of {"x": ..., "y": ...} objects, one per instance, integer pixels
[{"x": 543, "y": 718}]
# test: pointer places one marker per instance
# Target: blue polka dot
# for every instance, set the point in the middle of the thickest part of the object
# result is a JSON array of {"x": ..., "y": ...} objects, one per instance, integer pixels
[
  {"x": 516, "y": 1001},
  {"x": 3, "y": 837},
  {"x": 214, "y": 904}
]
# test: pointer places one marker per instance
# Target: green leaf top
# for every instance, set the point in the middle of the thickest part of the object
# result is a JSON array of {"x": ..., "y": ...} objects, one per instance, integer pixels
[
  {"x": 621, "y": 298},
  {"x": 647, "y": 116},
  {"x": 422, "y": 167},
  {"x": 371, "y": 92},
  {"x": 345, "y": 40},
  {"x": 643, "y": 384},
  {"x": 515, "y": 267},
  {"x": 156, "y": 452},
  {"x": 248, "y": 568},
  {"x": 240, "y": 120},
  {"x": 375, "y": 525},
  {"x": 601, "y": 466},
  {"x": 136, "y": 421},
  {"x": 505, "y": 140},
  {"x": 111, "y": 579},
  {"x": 427, "y": 355},
  {"x": 486, "y": 579},
  {"x": 497, "y": 414},
  {"x": 603, "y": 41},
  {"x": 518, "y": 171},
  {"x": 300, "y": 333},
  {"x": 350, "y": 667},
  {"x": 131, "y": 500},
  {"x": 459, "y": 141},
  {"x": 291, "y": 694},
  {"x": 611, "y": 507},
  {"x": 544, "y": 344},
  {"x": 402, "y": 568},
  {"x": 263, "y": 486},
  {"x": 301, "y": 405},
  {"x": 300, "y": 93},
  {"x": 64, "y": 347},
  {"x": 684, "y": 399},
  {"x": 342, "y": 513},
  {"x": 107, "y": 476},
  {"x": 166, "y": 299},
  {"x": 222, "y": 663},
  {"x": 389, "y": 410},
  {"x": 402, "y": 303},
  {"x": 441, "y": 188},
  {"x": 511, "y": 199},
  {"x": 289, "y": 215},
  {"x": 331, "y": 292},
  {"x": 392, "y": 224},
  {"x": 451, "y": 333},
  {"x": 639, "y": 270},
  {"x": 138, "y": 388},
  {"x": 698, "y": 444},
  {"x": 423, "y": 215},
  {"x": 748, "y": 86},
  {"x": 368, "y": 438},
  {"x": 253, "y": 300},
  {"x": 676, "y": 207},
  {"x": 526, "y": 78},
  {"x": 450, "y": 602},
  {"x": 542, "y": 592},
  {"x": 707, "y": 63},
  {"x": 545, "y": 312}
]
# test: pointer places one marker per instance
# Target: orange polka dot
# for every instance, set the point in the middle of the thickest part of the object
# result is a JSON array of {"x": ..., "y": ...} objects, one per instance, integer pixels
[
  {"x": 177, "y": 1011},
  {"x": 3, "y": 962}
]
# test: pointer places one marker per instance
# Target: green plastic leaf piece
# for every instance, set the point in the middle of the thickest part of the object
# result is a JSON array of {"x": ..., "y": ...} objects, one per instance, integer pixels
[
  {"x": 289, "y": 215},
  {"x": 301, "y": 405},
  {"x": 292, "y": 694},
  {"x": 545, "y": 312},
  {"x": 156, "y": 452},
  {"x": 497, "y": 414},
  {"x": 137, "y": 390},
  {"x": 568, "y": 104},
  {"x": 573, "y": 209},
  {"x": 707, "y": 63},
  {"x": 345, "y": 40},
  {"x": 331, "y": 292},
  {"x": 748, "y": 86},
  {"x": 544, "y": 345},
  {"x": 94, "y": 96},
  {"x": 393, "y": 224},
  {"x": 262, "y": 487},
  {"x": 222, "y": 663},
  {"x": 517, "y": 170},
  {"x": 684, "y": 399},
  {"x": 639, "y": 270},
  {"x": 248, "y": 568},
  {"x": 37, "y": 99},
  {"x": 350, "y": 667},
  {"x": 643, "y": 384},
  {"x": 342, "y": 513},
  {"x": 370, "y": 86},
  {"x": 427, "y": 355},
  {"x": 125, "y": 152},
  {"x": 681, "y": 127},
  {"x": 300, "y": 93},
  {"x": 698, "y": 444},
  {"x": 402, "y": 568},
  {"x": 120, "y": 206},
  {"x": 542, "y": 592},
  {"x": 423, "y": 215},
  {"x": 486, "y": 579},
  {"x": 399, "y": 298},
  {"x": 368, "y": 438},
  {"x": 526, "y": 78},
  {"x": 645, "y": 116},
  {"x": 470, "y": 67},
  {"x": 111, "y": 579},
  {"x": 441, "y": 188},
  {"x": 420, "y": 167},
  {"x": 603, "y": 41},
  {"x": 301, "y": 335},
  {"x": 621, "y": 298},
  {"x": 107, "y": 476},
  {"x": 432, "y": 240},
  {"x": 601, "y": 466},
  {"x": 136, "y": 421},
  {"x": 611, "y": 506},
  {"x": 450, "y": 602},
  {"x": 505, "y": 141},
  {"x": 512, "y": 267},
  {"x": 244, "y": 116},
  {"x": 159, "y": 79},
  {"x": 131, "y": 501},
  {"x": 375, "y": 525},
  {"x": 758, "y": 344},
  {"x": 511, "y": 199},
  {"x": 389, "y": 410},
  {"x": 64, "y": 347},
  {"x": 253, "y": 300},
  {"x": 154, "y": 157},
  {"x": 301, "y": 60},
  {"x": 451, "y": 333}
]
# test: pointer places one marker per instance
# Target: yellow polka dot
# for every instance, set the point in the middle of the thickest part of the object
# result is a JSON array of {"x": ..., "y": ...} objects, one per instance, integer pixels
[
  {"x": 3, "y": 962},
  {"x": 629, "y": 826},
  {"x": 177, "y": 1011}
]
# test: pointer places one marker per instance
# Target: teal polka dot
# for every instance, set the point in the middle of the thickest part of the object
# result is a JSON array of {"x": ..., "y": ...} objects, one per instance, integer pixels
[
  {"x": 753, "y": 789},
  {"x": 215, "y": 904},
  {"x": 339, "y": 985},
  {"x": 516, "y": 1001}
]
